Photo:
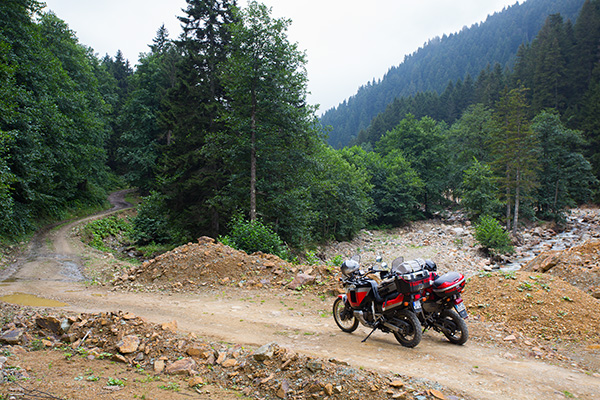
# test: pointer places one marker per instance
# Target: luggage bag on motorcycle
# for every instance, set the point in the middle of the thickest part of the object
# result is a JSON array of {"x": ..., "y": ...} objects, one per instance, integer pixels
[
  {"x": 449, "y": 284},
  {"x": 414, "y": 282}
]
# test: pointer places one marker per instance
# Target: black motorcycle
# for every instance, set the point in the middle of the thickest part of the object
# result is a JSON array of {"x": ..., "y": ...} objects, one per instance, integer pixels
[{"x": 390, "y": 305}]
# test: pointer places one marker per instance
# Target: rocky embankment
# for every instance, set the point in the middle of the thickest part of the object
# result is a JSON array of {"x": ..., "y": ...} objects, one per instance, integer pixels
[{"x": 270, "y": 371}]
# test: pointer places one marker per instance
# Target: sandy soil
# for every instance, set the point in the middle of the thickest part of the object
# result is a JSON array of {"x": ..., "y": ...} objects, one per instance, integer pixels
[{"x": 300, "y": 320}]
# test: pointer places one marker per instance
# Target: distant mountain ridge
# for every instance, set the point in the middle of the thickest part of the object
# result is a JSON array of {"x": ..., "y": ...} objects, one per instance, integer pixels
[{"x": 446, "y": 59}]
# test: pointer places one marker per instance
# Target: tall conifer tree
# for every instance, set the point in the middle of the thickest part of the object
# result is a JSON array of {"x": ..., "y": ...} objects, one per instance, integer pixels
[{"x": 191, "y": 117}]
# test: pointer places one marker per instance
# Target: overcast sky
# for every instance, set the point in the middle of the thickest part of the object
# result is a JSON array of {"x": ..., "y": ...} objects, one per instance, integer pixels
[{"x": 348, "y": 42}]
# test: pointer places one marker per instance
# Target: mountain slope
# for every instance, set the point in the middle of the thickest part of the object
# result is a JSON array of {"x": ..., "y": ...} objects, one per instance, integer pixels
[{"x": 445, "y": 59}]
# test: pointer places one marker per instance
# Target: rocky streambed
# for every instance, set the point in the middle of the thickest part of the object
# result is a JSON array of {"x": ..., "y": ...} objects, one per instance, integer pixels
[{"x": 451, "y": 244}]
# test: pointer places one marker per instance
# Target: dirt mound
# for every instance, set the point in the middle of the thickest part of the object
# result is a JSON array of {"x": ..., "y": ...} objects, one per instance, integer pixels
[
  {"x": 536, "y": 305},
  {"x": 270, "y": 371},
  {"x": 578, "y": 265},
  {"x": 208, "y": 263}
]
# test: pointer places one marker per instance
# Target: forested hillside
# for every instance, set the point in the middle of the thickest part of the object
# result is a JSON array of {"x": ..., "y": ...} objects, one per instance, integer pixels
[
  {"x": 215, "y": 132},
  {"x": 199, "y": 125},
  {"x": 441, "y": 60}
]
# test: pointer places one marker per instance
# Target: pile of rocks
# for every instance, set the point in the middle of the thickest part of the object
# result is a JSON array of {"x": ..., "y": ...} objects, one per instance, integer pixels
[
  {"x": 207, "y": 263},
  {"x": 269, "y": 371},
  {"x": 578, "y": 265}
]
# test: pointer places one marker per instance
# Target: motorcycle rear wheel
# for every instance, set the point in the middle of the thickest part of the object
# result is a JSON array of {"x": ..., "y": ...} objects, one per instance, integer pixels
[
  {"x": 344, "y": 317},
  {"x": 454, "y": 327},
  {"x": 411, "y": 333}
]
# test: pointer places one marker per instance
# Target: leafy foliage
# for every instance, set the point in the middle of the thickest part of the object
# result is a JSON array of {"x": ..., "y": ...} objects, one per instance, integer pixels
[
  {"x": 419, "y": 85},
  {"x": 100, "y": 229},
  {"x": 492, "y": 236},
  {"x": 254, "y": 236},
  {"x": 152, "y": 223},
  {"x": 479, "y": 192}
]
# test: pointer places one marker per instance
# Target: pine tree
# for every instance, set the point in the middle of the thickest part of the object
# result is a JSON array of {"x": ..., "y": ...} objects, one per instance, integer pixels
[
  {"x": 516, "y": 149},
  {"x": 191, "y": 168}
]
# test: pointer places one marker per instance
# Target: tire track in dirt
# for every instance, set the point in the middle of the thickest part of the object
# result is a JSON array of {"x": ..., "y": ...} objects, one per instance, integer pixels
[{"x": 301, "y": 321}]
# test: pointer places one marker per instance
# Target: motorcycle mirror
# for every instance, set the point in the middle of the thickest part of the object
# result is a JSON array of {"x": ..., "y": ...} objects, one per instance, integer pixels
[
  {"x": 384, "y": 265},
  {"x": 378, "y": 259}
]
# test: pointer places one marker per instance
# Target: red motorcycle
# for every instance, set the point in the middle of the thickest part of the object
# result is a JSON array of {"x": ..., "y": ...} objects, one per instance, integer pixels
[
  {"x": 391, "y": 305},
  {"x": 443, "y": 309}
]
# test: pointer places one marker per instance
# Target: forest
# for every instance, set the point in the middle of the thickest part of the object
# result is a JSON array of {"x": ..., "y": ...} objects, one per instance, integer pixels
[
  {"x": 455, "y": 56},
  {"x": 214, "y": 130}
]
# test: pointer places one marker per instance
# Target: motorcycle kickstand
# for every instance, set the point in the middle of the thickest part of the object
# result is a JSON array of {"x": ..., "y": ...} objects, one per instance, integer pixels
[{"x": 370, "y": 333}]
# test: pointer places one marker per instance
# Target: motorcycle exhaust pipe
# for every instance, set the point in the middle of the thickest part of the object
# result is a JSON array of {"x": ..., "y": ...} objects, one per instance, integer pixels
[
  {"x": 361, "y": 318},
  {"x": 391, "y": 327}
]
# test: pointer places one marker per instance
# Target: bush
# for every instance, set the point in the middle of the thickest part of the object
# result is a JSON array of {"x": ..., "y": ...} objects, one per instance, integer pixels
[
  {"x": 152, "y": 223},
  {"x": 492, "y": 236},
  {"x": 253, "y": 236},
  {"x": 100, "y": 229}
]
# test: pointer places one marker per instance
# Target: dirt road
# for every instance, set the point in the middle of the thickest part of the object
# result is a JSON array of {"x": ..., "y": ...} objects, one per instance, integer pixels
[{"x": 302, "y": 321}]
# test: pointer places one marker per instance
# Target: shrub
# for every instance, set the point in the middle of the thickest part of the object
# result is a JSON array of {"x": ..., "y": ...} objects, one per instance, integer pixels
[
  {"x": 152, "y": 223},
  {"x": 492, "y": 236},
  {"x": 253, "y": 236},
  {"x": 100, "y": 229}
]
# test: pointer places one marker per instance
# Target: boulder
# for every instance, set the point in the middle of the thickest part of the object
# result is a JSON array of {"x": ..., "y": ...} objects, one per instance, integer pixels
[
  {"x": 265, "y": 352},
  {"x": 301, "y": 280},
  {"x": 128, "y": 344},
  {"x": 185, "y": 366},
  {"x": 52, "y": 324},
  {"x": 13, "y": 336}
]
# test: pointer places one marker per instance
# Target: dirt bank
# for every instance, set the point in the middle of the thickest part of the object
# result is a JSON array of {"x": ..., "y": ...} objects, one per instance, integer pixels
[{"x": 499, "y": 361}]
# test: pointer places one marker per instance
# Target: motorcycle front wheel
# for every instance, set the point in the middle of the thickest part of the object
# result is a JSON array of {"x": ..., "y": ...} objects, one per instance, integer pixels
[
  {"x": 410, "y": 333},
  {"x": 454, "y": 327},
  {"x": 344, "y": 317}
]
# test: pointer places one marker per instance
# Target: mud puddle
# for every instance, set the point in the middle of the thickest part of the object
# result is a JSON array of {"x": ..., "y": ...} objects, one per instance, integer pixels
[{"x": 25, "y": 299}]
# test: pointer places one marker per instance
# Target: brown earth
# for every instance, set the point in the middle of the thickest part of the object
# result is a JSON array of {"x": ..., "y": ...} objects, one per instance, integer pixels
[
  {"x": 531, "y": 336},
  {"x": 578, "y": 265}
]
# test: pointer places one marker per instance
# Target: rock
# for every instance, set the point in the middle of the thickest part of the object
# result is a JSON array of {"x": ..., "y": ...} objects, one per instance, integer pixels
[
  {"x": 265, "y": 352},
  {"x": 230, "y": 362},
  {"x": 119, "y": 358},
  {"x": 159, "y": 366},
  {"x": 50, "y": 323},
  {"x": 195, "y": 381},
  {"x": 329, "y": 389},
  {"x": 458, "y": 231},
  {"x": 222, "y": 357},
  {"x": 544, "y": 262},
  {"x": 128, "y": 344},
  {"x": 314, "y": 366},
  {"x": 397, "y": 384},
  {"x": 510, "y": 338},
  {"x": 197, "y": 351},
  {"x": 12, "y": 336},
  {"x": 181, "y": 367},
  {"x": 284, "y": 388},
  {"x": 170, "y": 326},
  {"x": 301, "y": 280}
]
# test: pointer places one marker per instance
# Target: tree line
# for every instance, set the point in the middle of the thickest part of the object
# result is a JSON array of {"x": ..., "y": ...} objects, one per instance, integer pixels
[
  {"x": 444, "y": 59},
  {"x": 210, "y": 126},
  {"x": 213, "y": 127}
]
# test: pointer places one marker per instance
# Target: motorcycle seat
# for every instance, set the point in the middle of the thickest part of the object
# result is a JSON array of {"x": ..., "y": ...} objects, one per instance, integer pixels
[{"x": 448, "y": 277}]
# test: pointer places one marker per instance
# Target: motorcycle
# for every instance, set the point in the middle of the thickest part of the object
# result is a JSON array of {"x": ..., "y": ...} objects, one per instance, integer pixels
[
  {"x": 443, "y": 309},
  {"x": 391, "y": 305}
]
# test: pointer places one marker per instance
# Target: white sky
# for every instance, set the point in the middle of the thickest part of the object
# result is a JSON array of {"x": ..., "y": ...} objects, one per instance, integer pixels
[{"x": 348, "y": 42}]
